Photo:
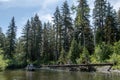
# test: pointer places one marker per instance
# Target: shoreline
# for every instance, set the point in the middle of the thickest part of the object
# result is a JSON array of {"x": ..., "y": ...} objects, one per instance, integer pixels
[{"x": 105, "y": 70}]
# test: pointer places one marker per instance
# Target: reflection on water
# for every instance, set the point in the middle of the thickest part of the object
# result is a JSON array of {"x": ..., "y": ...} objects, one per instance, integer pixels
[
  {"x": 56, "y": 75},
  {"x": 29, "y": 75}
]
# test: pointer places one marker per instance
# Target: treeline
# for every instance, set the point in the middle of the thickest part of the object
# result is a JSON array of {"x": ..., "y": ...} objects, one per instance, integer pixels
[{"x": 66, "y": 40}]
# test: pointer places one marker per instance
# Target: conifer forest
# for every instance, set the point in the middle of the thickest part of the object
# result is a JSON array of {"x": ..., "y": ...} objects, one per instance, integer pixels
[{"x": 85, "y": 38}]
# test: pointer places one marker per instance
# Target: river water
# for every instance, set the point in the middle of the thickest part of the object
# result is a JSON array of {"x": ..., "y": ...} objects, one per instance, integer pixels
[{"x": 56, "y": 75}]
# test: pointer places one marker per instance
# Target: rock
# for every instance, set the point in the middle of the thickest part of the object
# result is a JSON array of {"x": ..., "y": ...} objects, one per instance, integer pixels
[{"x": 30, "y": 67}]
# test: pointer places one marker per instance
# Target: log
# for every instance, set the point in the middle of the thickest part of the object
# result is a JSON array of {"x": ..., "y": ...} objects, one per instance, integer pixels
[{"x": 78, "y": 65}]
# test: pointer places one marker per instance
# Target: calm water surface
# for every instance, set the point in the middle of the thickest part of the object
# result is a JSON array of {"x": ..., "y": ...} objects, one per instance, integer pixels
[{"x": 56, "y": 75}]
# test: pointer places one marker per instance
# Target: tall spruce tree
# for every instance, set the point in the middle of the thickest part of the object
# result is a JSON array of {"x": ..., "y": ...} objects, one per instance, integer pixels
[
  {"x": 45, "y": 45},
  {"x": 11, "y": 38},
  {"x": 99, "y": 15},
  {"x": 110, "y": 27},
  {"x": 58, "y": 29},
  {"x": 48, "y": 43},
  {"x": 32, "y": 36},
  {"x": 73, "y": 52},
  {"x": 66, "y": 26},
  {"x": 26, "y": 39},
  {"x": 52, "y": 42},
  {"x": 83, "y": 32},
  {"x": 36, "y": 38},
  {"x": 82, "y": 18}
]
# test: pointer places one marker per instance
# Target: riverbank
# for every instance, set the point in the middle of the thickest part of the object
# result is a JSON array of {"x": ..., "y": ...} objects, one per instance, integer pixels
[
  {"x": 84, "y": 69},
  {"x": 105, "y": 70}
]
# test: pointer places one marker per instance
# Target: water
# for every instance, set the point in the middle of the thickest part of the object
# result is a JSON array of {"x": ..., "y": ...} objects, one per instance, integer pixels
[{"x": 56, "y": 75}]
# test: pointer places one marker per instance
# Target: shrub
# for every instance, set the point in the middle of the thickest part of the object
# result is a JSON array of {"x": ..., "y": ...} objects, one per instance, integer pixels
[
  {"x": 115, "y": 57},
  {"x": 117, "y": 47},
  {"x": 3, "y": 62},
  {"x": 17, "y": 61},
  {"x": 95, "y": 58},
  {"x": 62, "y": 58},
  {"x": 102, "y": 53},
  {"x": 73, "y": 52},
  {"x": 84, "y": 57}
]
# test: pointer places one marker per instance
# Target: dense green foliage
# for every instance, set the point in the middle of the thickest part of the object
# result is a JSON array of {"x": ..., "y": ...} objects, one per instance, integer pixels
[
  {"x": 83, "y": 32},
  {"x": 3, "y": 61},
  {"x": 66, "y": 40},
  {"x": 84, "y": 57},
  {"x": 58, "y": 27},
  {"x": 73, "y": 52},
  {"x": 99, "y": 15},
  {"x": 66, "y": 26},
  {"x": 62, "y": 58},
  {"x": 102, "y": 53},
  {"x": 115, "y": 57},
  {"x": 11, "y": 39}
]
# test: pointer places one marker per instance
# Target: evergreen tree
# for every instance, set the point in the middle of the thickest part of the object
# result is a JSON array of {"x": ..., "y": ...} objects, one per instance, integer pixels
[
  {"x": 99, "y": 15},
  {"x": 26, "y": 39},
  {"x": 32, "y": 36},
  {"x": 36, "y": 38},
  {"x": 110, "y": 28},
  {"x": 58, "y": 29},
  {"x": 52, "y": 41},
  {"x": 83, "y": 32},
  {"x": 73, "y": 52},
  {"x": 84, "y": 57},
  {"x": 49, "y": 43},
  {"x": 62, "y": 58},
  {"x": 45, "y": 45},
  {"x": 82, "y": 19},
  {"x": 20, "y": 58},
  {"x": 11, "y": 38},
  {"x": 66, "y": 26}
]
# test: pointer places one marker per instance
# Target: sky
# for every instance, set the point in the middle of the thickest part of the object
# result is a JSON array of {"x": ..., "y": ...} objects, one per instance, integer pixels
[{"x": 23, "y": 10}]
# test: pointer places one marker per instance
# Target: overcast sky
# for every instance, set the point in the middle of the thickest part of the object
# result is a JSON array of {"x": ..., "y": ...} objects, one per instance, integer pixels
[{"x": 23, "y": 10}]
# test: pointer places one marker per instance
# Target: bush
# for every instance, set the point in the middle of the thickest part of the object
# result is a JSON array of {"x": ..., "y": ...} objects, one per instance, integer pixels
[
  {"x": 95, "y": 58},
  {"x": 3, "y": 62},
  {"x": 117, "y": 47},
  {"x": 20, "y": 58},
  {"x": 84, "y": 57},
  {"x": 62, "y": 58},
  {"x": 102, "y": 53},
  {"x": 17, "y": 61},
  {"x": 115, "y": 57},
  {"x": 73, "y": 52},
  {"x": 107, "y": 50}
]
